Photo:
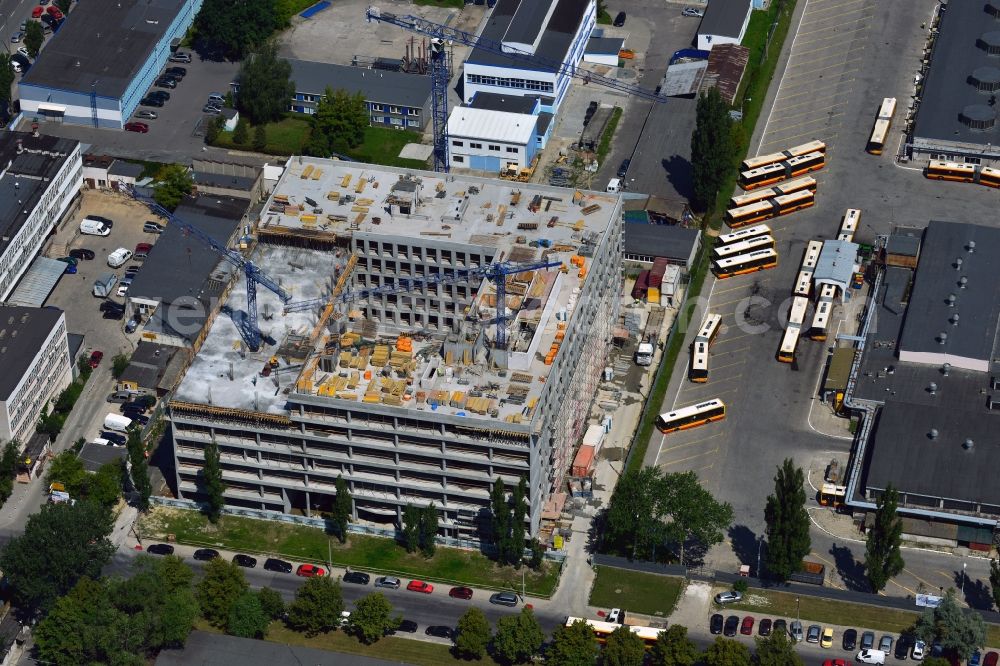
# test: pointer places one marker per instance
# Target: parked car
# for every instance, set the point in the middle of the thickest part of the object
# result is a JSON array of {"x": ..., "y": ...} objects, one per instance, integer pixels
[
  {"x": 746, "y": 627},
  {"x": 142, "y": 251},
  {"x": 764, "y": 627},
  {"x": 885, "y": 644},
  {"x": 407, "y": 626},
  {"x": 132, "y": 324},
  {"x": 280, "y": 566},
  {"x": 54, "y": 12},
  {"x": 826, "y": 640},
  {"x": 244, "y": 561},
  {"x": 732, "y": 624},
  {"x": 390, "y": 582},
  {"x": 902, "y": 647},
  {"x": 139, "y": 419},
  {"x": 70, "y": 269},
  {"x": 23, "y": 50},
  {"x": 16, "y": 37},
  {"x": 205, "y": 554},
  {"x": 871, "y": 657},
  {"x": 504, "y": 599},
  {"x": 976, "y": 658},
  {"x": 619, "y": 20},
  {"x": 141, "y": 128},
  {"x": 37, "y": 12},
  {"x": 161, "y": 94},
  {"x": 692, "y": 12},
  {"x": 439, "y": 631},
  {"x": 780, "y": 627},
  {"x": 728, "y": 597},
  {"x": 420, "y": 586},
  {"x": 118, "y": 258},
  {"x": 623, "y": 168},
  {"x": 715, "y": 624},
  {"x": 850, "y": 640},
  {"x": 165, "y": 83},
  {"x": 151, "y": 101},
  {"x": 868, "y": 640},
  {"x": 119, "y": 440},
  {"x": 95, "y": 358},
  {"x": 82, "y": 253},
  {"x": 146, "y": 115},
  {"x": 460, "y": 593},
  {"x": 357, "y": 577},
  {"x": 176, "y": 71},
  {"x": 211, "y": 109},
  {"x": 796, "y": 631},
  {"x": 991, "y": 659},
  {"x": 180, "y": 56},
  {"x": 160, "y": 549},
  {"x": 114, "y": 314},
  {"x": 919, "y": 650},
  {"x": 152, "y": 228},
  {"x": 310, "y": 571},
  {"x": 123, "y": 287},
  {"x": 118, "y": 396},
  {"x": 812, "y": 634}
]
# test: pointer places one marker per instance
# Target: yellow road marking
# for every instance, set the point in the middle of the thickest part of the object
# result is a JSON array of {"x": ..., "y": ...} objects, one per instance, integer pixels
[{"x": 931, "y": 585}]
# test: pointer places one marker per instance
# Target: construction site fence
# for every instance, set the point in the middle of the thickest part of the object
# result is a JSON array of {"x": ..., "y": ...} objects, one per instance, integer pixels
[{"x": 321, "y": 523}]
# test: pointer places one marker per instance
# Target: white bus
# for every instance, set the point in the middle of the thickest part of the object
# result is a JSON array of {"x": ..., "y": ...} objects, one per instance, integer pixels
[
  {"x": 797, "y": 313},
  {"x": 700, "y": 348},
  {"x": 743, "y": 247},
  {"x": 849, "y": 225},
  {"x": 743, "y": 234},
  {"x": 789, "y": 341}
]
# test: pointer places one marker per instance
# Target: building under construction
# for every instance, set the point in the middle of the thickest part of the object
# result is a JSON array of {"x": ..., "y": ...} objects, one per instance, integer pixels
[{"x": 395, "y": 364}]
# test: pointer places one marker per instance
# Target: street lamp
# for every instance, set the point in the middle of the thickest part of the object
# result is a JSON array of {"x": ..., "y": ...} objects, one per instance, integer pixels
[
  {"x": 797, "y": 618},
  {"x": 964, "y": 564},
  {"x": 760, "y": 546}
]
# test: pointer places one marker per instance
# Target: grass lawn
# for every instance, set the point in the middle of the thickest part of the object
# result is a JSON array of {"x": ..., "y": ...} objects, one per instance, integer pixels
[
  {"x": 378, "y": 555},
  {"x": 604, "y": 147},
  {"x": 285, "y": 137},
  {"x": 401, "y": 650},
  {"x": 382, "y": 146},
  {"x": 286, "y": 9},
  {"x": 650, "y": 594}
]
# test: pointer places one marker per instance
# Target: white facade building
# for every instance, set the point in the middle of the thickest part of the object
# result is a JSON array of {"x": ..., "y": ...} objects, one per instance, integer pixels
[
  {"x": 39, "y": 178},
  {"x": 725, "y": 22},
  {"x": 490, "y": 140},
  {"x": 34, "y": 354},
  {"x": 554, "y": 31}
]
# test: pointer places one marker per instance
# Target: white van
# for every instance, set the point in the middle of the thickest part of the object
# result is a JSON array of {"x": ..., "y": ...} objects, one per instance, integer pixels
[
  {"x": 871, "y": 657},
  {"x": 117, "y": 422},
  {"x": 614, "y": 185},
  {"x": 104, "y": 285},
  {"x": 93, "y": 227}
]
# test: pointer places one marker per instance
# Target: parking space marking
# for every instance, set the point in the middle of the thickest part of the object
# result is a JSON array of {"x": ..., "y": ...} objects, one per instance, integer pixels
[
  {"x": 816, "y": 99},
  {"x": 736, "y": 300},
  {"x": 863, "y": 4},
  {"x": 806, "y": 112},
  {"x": 692, "y": 457},
  {"x": 682, "y": 446},
  {"x": 724, "y": 291},
  {"x": 839, "y": 24},
  {"x": 826, "y": 57},
  {"x": 821, "y": 69},
  {"x": 949, "y": 576},
  {"x": 725, "y": 340},
  {"x": 816, "y": 86},
  {"x": 727, "y": 365},
  {"x": 784, "y": 140},
  {"x": 806, "y": 123}
]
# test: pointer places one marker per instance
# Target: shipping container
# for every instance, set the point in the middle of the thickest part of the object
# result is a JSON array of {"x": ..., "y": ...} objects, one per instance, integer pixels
[
  {"x": 583, "y": 461},
  {"x": 653, "y": 295},
  {"x": 594, "y": 437},
  {"x": 641, "y": 284}
]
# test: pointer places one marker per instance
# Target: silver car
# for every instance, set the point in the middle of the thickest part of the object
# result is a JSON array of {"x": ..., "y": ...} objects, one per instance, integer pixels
[
  {"x": 728, "y": 597},
  {"x": 796, "y": 631},
  {"x": 146, "y": 115},
  {"x": 390, "y": 582},
  {"x": 692, "y": 12},
  {"x": 16, "y": 37}
]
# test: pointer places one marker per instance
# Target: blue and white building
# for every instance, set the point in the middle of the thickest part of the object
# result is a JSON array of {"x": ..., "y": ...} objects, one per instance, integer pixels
[
  {"x": 554, "y": 30},
  {"x": 102, "y": 61},
  {"x": 494, "y": 131}
]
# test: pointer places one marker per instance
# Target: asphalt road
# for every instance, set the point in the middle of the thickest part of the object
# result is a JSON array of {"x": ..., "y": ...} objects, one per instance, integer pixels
[{"x": 827, "y": 91}]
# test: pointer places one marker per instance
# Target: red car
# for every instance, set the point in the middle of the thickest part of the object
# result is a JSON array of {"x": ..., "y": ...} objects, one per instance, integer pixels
[
  {"x": 95, "y": 358},
  {"x": 747, "y": 627},
  {"x": 142, "y": 128},
  {"x": 54, "y": 12},
  {"x": 420, "y": 586},
  {"x": 309, "y": 571},
  {"x": 991, "y": 659},
  {"x": 834, "y": 662},
  {"x": 37, "y": 12},
  {"x": 460, "y": 593},
  {"x": 142, "y": 248}
]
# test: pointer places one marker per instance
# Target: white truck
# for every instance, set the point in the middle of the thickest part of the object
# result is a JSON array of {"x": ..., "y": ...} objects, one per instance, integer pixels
[
  {"x": 644, "y": 354},
  {"x": 117, "y": 423}
]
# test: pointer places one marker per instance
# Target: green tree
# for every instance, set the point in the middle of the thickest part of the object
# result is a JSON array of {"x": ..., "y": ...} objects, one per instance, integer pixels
[
  {"x": 883, "y": 559},
  {"x": 174, "y": 184},
  {"x": 317, "y": 606},
  {"x": 139, "y": 469},
  {"x": 33, "y": 38},
  {"x": 518, "y": 511},
  {"x": 500, "y": 521},
  {"x": 712, "y": 148},
  {"x": 340, "y": 513},
  {"x": 634, "y": 516},
  {"x": 411, "y": 528},
  {"x": 105, "y": 485},
  {"x": 67, "y": 469},
  {"x": 63, "y": 5},
  {"x": 674, "y": 648},
  {"x": 518, "y": 637},
  {"x": 233, "y": 28},
  {"x": 339, "y": 122},
  {"x": 776, "y": 650},
  {"x": 537, "y": 554},
  {"x": 212, "y": 484},
  {"x": 958, "y": 630},
  {"x": 222, "y": 584},
  {"x": 8, "y": 467},
  {"x": 372, "y": 618},
  {"x": 473, "y": 635},
  {"x": 727, "y": 652},
  {"x": 936, "y": 661},
  {"x": 6, "y": 81},
  {"x": 265, "y": 87},
  {"x": 171, "y": 572},
  {"x": 60, "y": 544},
  {"x": 50, "y": 423},
  {"x": 787, "y": 522},
  {"x": 259, "y": 139},
  {"x": 692, "y": 512},
  {"x": 214, "y": 129},
  {"x": 246, "y": 617},
  {"x": 242, "y": 133},
  {"x": 995, "y": 580},
  {"x": 271, "y": 602},
  {"x": 623, "y": 648},
  {"x": 428, "y": 530},
  {"x": 118, "y": 364},
  {"x": 574, "y": 645}
]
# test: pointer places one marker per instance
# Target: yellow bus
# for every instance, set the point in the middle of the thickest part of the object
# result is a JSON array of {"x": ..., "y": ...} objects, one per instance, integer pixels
[
  {"x": 789, "y": 341},
  {"x": 803, "y": 284},
  {"x": 746, "y": 215},
  {"x": 880, "y": 131},
  {"x": 772, "y": 158},
  {"x": 805, "y": 163},
  {"x": 602, "y": 630},
  {"x": 700, "y": 348},
  {"x": 797, "y": 312},
  {"x": 752, "y": 262},
  {"x": 811, "y": 256},
  {"x": 989, "y": 176},
  {"x": 821, "y": 319},
  {"x": 763, "y": 176},
  {"x": 830, "y": 494},
  {"x": 849, "y": 225},
  {"x": 789, "y": 203},
  {"x": 692, "y": 416},
  {"x": 742, "y": 247},
  {"x": 794, "y": 185},
  {"x": 938, "y": 170}
]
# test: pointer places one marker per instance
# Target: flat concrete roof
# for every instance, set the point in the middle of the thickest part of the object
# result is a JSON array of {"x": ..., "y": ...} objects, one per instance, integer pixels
[
  {"x": 660, "y": 240},
  {"x": 555, "y": 41},
  {"x": 471, "y": 123},
  {"x": 451, "y": 212},
  {"x": 103, "y": 47},
  {"x": 498, "y": 102},
  {"x": 205, "y": 649},
  {"x": 956, "y": 276},
  {"x": 22, "y": 332}
]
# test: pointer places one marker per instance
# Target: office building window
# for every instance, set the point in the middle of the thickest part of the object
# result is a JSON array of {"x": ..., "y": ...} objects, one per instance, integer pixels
[
  {"x": 376, "y": 107},
  {"x": 457, "y": 158},
  {"x": 459, "y": 144},
  {"x": 475, "y": 145},
  {"x": 512, "y": 149},
  {"x": 494, "y": 148},
  {"x": 393, "y": 109}
]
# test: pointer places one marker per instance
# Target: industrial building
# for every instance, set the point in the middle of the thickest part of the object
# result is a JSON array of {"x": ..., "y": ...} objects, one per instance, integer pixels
[
  {"x": 98, "y": 66},
  {"x": 394, "y": 371},
  {"x": 926, "y": 386},
  {"x": 555, "y": 31},
  {"x": 956, "y": 117},
  {"x": 34, "y": 355},
  {"x": 725, "y": 22},
  {"x": 495, "y": 132},
  {"x": 40, "y": 176},
  {"x": 395, "y": 99}
]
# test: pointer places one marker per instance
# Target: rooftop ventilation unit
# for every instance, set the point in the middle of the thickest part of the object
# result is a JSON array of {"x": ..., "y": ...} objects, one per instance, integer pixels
[
  {"x": 971, "y": 247},
  {"x": 942, "y": 338},
  {"x": 954, "y": 319},
  {"x": 968, "y": 444},
  {"x": 932, "y": 389},
  {"x": 962, "y": 281},
  {"x": 933, "y": 434},
  {"x": 958, "y": 264},
  {"x": 945, "y": 369},
  {"x": 950, "y": 300}
]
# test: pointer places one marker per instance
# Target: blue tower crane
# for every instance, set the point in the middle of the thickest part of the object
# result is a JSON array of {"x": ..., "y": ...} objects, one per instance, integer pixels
[
  {"x": 442, "y": 34},
  {"x": 495, "y": 273},
  {"x": 247, "y": 326}
]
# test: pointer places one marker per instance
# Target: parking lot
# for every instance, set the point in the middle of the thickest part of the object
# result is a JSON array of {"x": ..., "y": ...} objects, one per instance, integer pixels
[{"x": 175, "y": 136}]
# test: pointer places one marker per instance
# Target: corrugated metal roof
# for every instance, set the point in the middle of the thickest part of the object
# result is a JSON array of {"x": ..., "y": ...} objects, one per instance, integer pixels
[
  {"x": 836, "y": 264},
  {"x": 38, "y": 282},
  {"x": 492, "y": 125}
]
